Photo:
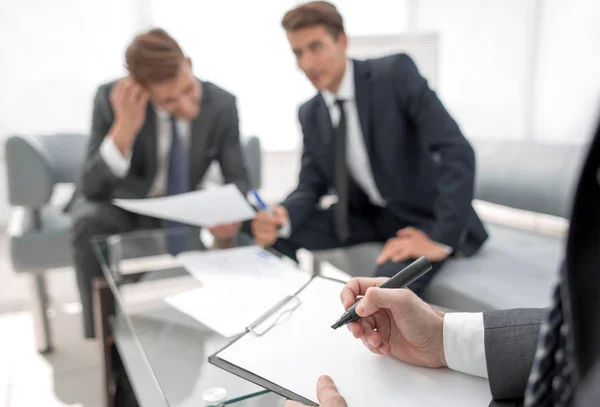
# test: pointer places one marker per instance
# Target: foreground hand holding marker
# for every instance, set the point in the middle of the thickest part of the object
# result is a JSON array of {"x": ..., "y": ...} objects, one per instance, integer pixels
[{"x": 403, "y": 278}]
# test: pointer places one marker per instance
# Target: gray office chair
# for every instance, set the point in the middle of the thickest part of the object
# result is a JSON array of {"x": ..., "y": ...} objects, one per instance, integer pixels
[{"x": 39, "y": 229}]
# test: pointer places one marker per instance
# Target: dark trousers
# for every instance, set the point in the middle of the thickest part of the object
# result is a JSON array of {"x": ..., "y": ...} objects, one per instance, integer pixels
[
  {"x": 92, "y": 219},
  {"x": 372, "y": 224}
]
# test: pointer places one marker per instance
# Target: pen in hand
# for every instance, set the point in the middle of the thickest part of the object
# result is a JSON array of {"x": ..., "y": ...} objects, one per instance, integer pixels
[{"x": 403, "y": 278}]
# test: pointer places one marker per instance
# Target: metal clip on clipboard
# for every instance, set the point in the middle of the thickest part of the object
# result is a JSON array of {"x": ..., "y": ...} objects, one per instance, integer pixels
[{"x": 278, "y": 314}]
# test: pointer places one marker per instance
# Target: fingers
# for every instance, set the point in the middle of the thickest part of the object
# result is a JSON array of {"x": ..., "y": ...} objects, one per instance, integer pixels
[
  {"x": 402, "y": 255},
  {"x": 328, "y": 394},
  {"x": 357, "y": 287},
  {"x": 407, "y": 232},
  {"x": 264, "y": 229},
  {"x": 225, "y": 230},
  {"x": 392, "y": 247},
  {"x": 380, "y": 298}
]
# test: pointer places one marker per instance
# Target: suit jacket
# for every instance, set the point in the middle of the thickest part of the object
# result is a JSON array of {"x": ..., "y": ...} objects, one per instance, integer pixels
[
  {"x": 422, "y": 164},
  {"x": 214, "y": 136},
  {"x": 511, "y": 336}
]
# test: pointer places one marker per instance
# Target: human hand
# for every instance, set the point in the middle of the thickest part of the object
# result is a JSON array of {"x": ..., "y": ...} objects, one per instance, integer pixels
[
  {"x": 225, "y": 231},
  {"x": 411, "y": 243},
  {"x": 129, "y": 100},
  {"x": 396, "y": 322},
  {"x": 264, "y": 225},
  {"x": 327, "y": 394}
]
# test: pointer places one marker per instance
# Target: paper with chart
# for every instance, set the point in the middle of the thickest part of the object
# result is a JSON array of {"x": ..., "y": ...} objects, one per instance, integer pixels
[
  {"x": 295, "y": 353},
  {"x": 208, "y": 207},
  {"x": 239, "y": 286}
]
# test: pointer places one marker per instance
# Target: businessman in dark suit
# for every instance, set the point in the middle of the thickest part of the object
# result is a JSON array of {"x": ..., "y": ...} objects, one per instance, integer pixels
[
  {"x": 154, "y": 133},
  {"x": 378, "y": 135},
  {"x": 539, "y": 357}
]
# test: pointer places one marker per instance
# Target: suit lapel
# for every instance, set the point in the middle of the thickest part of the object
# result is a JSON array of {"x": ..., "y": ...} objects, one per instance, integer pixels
[
  {"x": 362, "y": 77},
  {"x": 148, "y": 144},
  {"x": 325, "y": 130},
  {"x": 200, "y": 133}
]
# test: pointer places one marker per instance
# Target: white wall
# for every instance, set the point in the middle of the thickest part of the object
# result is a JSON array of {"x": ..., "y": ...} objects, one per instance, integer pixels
[
  {"x": 510, "y": 69},
  {"x": 567, "y": 89},
  {"x": 54, "y": 55}
]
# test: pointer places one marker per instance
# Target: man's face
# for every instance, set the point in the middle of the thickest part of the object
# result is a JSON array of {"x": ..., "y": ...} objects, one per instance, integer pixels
[
  {"x": 179, "y": 96},
  {"x": 320, "y": 56}
]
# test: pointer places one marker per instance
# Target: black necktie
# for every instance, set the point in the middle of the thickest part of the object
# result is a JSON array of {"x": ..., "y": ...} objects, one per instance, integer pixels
[
  {"x": 550, "y": 383},
  {"x": 178, "y": 182},
  {"x": 341, "y": 176}
]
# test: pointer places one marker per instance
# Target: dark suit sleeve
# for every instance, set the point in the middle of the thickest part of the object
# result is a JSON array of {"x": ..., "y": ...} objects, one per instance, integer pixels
[
  {"x": 312, "y": 185},
  {"x": 511, "y": 338},
  {"x": 442, "y": 137},
  {"x": 97, "y": 181},
  {"x": 231, "y": 159}
]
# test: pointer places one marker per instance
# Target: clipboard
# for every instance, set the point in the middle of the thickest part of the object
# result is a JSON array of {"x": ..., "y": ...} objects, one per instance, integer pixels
[
  {"x": 285, "y": 352},
  {"x": 253, "y": 330}
]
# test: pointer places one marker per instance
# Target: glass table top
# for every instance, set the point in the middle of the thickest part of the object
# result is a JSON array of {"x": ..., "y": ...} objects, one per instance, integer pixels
[{"x": 163, "y": 346}]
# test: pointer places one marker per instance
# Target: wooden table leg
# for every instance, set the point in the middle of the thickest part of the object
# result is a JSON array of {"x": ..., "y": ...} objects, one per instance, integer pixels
[{"x": 103, "y": 309}]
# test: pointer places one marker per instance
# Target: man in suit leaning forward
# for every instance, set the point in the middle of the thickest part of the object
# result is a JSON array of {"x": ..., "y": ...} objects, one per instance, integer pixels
[
  {"x": 154, "y": 133},
  {"x": 376, "y": 133}
]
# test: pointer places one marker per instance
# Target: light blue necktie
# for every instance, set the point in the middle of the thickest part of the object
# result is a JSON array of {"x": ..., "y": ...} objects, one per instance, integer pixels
[{"x": 178, "y": 182}]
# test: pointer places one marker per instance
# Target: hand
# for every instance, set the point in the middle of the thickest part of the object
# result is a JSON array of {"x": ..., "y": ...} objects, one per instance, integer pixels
[
  {"x": 396, "y": 322},
  {"x": 264, "y": 225},
  {"x": 129, "y": 101},
  {"x": 327, "y": 394},
  {"x": 225, "y": 231},
  {"x": 411, "y": 243}
]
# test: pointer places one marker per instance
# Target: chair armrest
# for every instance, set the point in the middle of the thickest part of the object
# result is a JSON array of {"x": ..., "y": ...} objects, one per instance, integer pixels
[
  {"x": 253, "y": 158},
  {"x": 29, "y": 172}
]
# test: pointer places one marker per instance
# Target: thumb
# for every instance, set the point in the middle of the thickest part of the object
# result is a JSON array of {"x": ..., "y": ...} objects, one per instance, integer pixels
[
  {"x": 377, "y": 298},
  {"x": 328, "y": 394}
]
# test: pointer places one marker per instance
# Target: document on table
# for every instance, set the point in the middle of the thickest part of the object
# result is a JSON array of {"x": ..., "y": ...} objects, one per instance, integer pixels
[
  {"x": 291, "y": 356},
  {"x": 209, "y": 207},
  {"x": 239, "y": 286}
]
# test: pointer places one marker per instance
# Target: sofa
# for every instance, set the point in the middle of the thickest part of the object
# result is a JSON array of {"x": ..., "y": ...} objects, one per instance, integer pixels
[{"x": 515, "y": 267}]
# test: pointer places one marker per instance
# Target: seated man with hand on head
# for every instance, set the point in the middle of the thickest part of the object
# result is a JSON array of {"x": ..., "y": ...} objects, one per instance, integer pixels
[
  {"x": 550, "y": 357},
  {"x": 376, "y": 133},
  {"x": 154, "y": 133}
]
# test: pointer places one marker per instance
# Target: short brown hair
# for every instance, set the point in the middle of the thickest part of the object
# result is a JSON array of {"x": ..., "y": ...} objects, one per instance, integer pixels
[
  {"x": 154, "y": 57},
  {"x": 313, "y": 14}
]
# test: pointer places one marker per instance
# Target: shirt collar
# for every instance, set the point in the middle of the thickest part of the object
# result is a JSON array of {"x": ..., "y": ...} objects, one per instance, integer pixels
[
  {"x": 161, "y": 113},
  {"x": 346, "y": 90}
]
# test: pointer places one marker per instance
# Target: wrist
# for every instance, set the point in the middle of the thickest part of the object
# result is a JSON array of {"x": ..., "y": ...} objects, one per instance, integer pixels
[
  {"x": 441, "y": 354},
  {"x": 122, "y": 136}
]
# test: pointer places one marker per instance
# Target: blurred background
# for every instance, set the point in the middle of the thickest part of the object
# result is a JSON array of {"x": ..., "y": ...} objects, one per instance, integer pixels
[{"x": 505, "y": 69}]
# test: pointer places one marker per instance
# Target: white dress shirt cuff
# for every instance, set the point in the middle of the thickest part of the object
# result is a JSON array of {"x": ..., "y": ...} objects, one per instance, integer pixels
[
  {"x": 464, "y": 342},
  {"x": 113, "y": 158},
  {"x": 285, "y": 230}
]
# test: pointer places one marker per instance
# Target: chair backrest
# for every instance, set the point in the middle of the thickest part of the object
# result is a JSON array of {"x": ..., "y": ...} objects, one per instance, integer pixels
[
  {"x": 252, "y": 154},
  {"x": 35, "y": 163},
  {"x": 537, "y": 177}
]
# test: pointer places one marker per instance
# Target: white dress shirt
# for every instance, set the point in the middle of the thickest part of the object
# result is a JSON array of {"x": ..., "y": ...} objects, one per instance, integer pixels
[
  {"x": 357, "y": 157},
  {"x": 119, "y": 165},
  {"x": 464, "y": 342}
]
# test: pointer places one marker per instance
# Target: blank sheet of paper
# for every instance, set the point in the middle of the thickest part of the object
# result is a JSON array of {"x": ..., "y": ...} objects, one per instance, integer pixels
[
  {"x": 209, "y": 207},
  {"x": 294, "y": 354},
  {"x": 239, "y": 286}
]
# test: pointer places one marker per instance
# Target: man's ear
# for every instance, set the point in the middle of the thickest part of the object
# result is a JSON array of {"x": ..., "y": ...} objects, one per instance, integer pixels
[
  {"x": 343, "y": 40},
  {"x": 189, "y": 61}
]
